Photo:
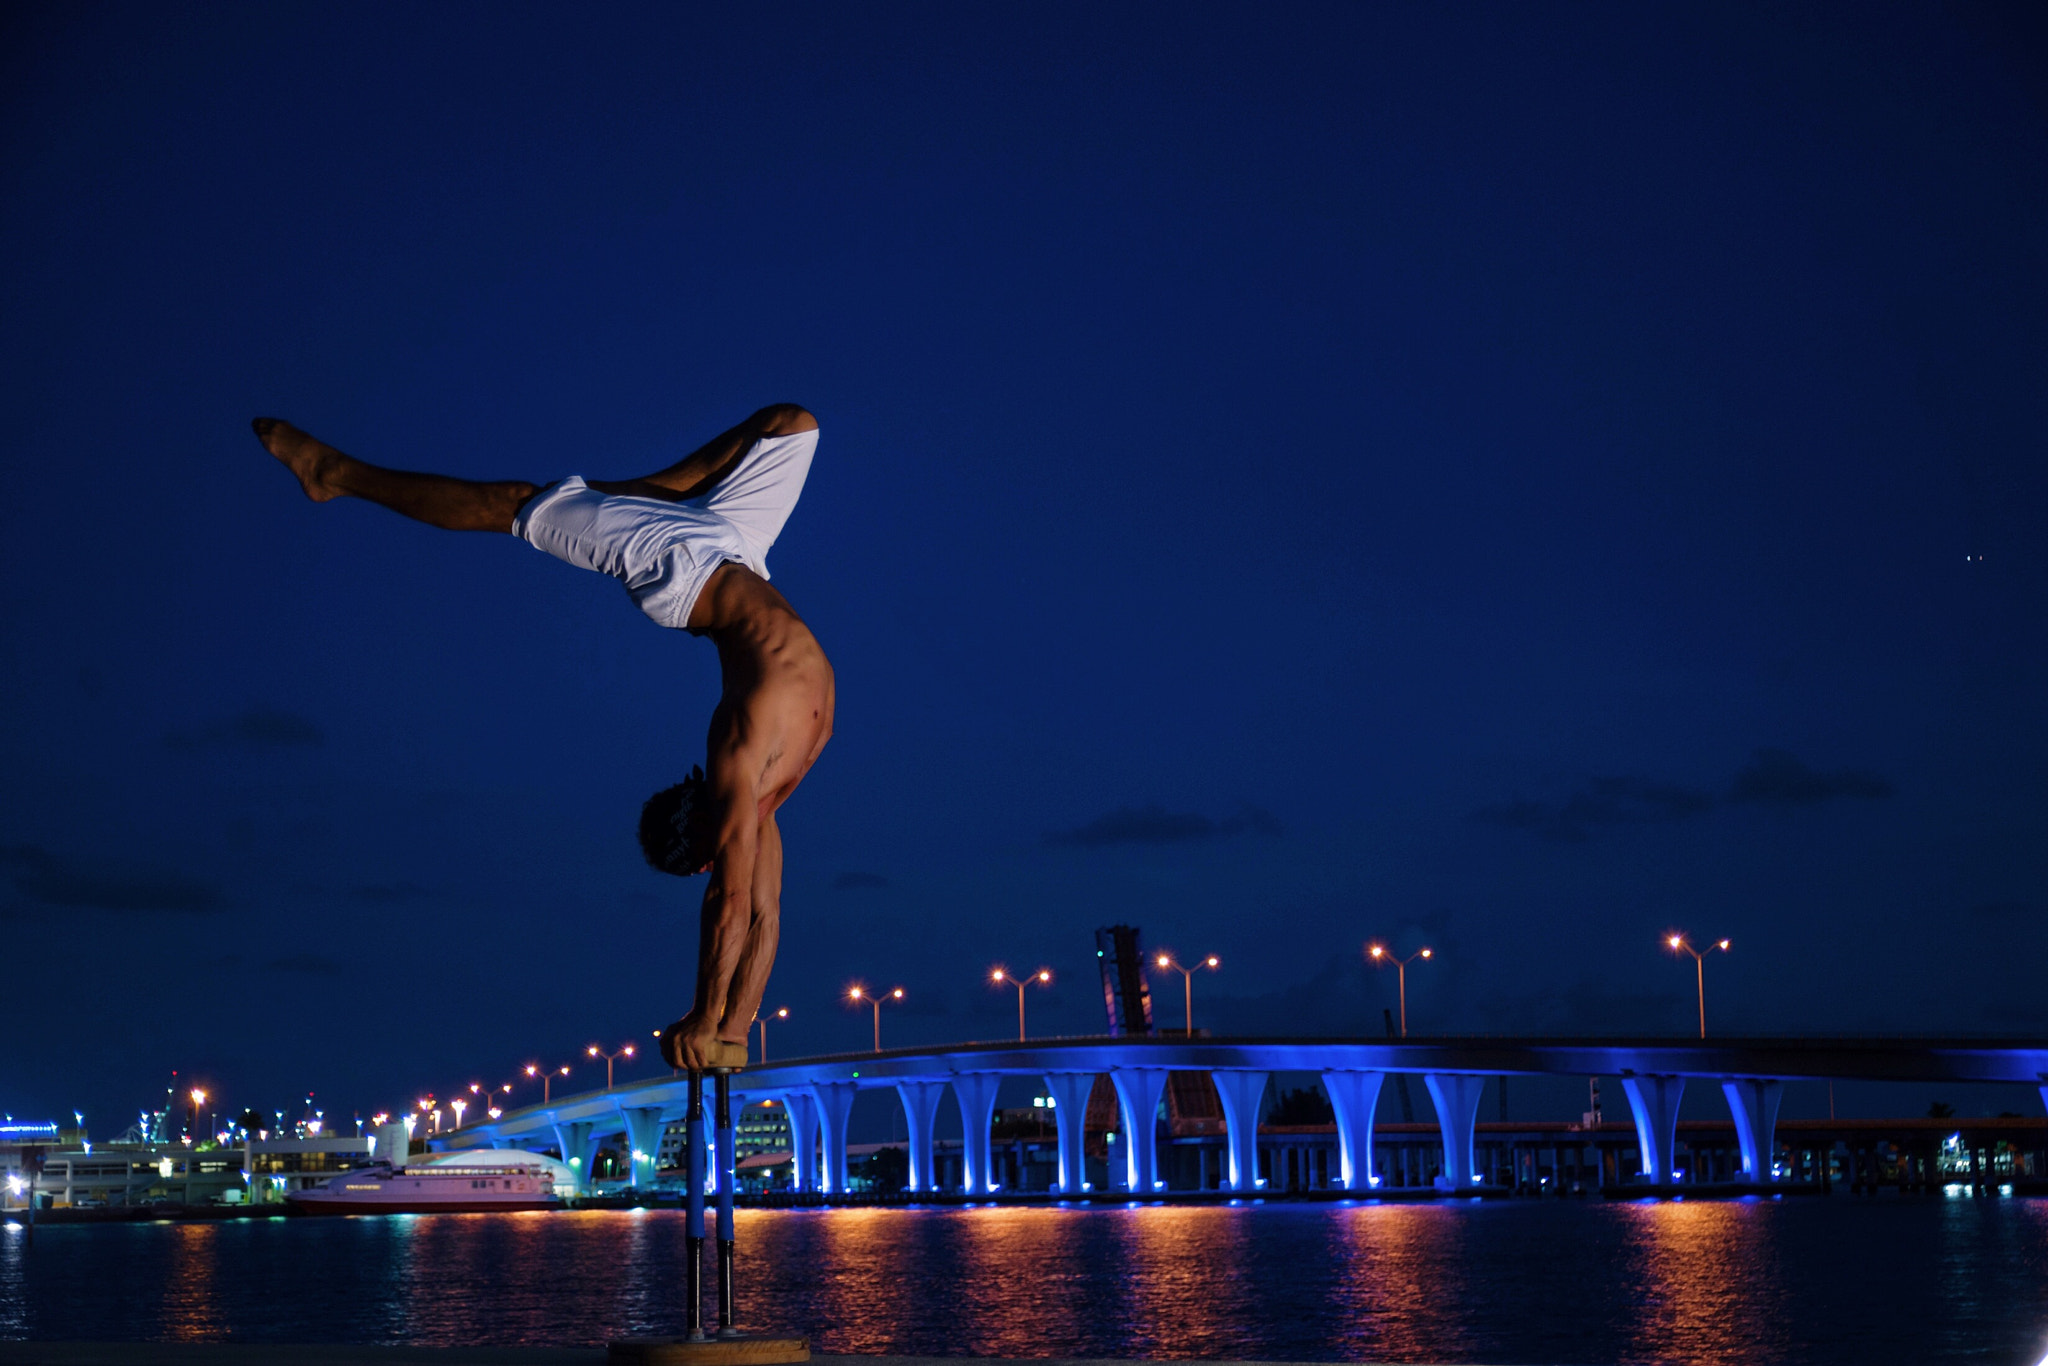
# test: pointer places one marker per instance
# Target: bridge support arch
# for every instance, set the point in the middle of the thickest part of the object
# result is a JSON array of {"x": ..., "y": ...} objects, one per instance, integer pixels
[
  {"x": 834, "y": 1100},
  {"x": 578, "y": 1142},
  {"x": 1138, "y": 1090},
  {"x": 1241, "y": 1093},
  {"x": 802, "y": 1110},
  {"x": 1456, "y": 1097},
  {"x": 976, "y": 1093},
  {"x": 1070, "y": 1115},
  {"x": 920, "y": 1107},
  {"x": 643, "y": 1142},
  {"x": 1355, "y": 1096},
  {"x": 1753, "y": 1105},
  {"x": 1654, "y": 1102}
]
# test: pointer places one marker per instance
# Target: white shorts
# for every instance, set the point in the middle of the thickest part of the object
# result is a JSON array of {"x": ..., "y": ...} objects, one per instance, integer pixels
[{"x": 664, "y": 552}]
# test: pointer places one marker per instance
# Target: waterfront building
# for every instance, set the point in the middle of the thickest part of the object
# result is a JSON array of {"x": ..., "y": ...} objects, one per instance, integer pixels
[
  {"x": 276, "y": 1167},
  {"x": 758, "y": 1129},
  {"x": 1126, "y": 992},
  {"x": 87, "y": 1175}
]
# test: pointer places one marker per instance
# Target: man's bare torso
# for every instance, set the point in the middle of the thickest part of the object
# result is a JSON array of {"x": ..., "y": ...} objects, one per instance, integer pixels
[{"x": 775, "y": 714}]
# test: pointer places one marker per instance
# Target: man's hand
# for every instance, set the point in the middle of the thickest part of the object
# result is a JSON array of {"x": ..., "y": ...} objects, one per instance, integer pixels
[{"x": 690, "y": 1043}]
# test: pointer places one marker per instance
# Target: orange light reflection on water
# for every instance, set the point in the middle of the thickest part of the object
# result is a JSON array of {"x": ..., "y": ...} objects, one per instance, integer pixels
[
  {"x": 1707, "y": 1283},
  {"x": 189, "y": 1312},
  {"x": 1402, "y": 1283},
  {"x": 1013, "y": 1279}
]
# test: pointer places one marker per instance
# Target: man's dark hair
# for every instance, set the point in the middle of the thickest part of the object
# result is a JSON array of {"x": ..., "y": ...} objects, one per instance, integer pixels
[{"x": 676, "y": 827}]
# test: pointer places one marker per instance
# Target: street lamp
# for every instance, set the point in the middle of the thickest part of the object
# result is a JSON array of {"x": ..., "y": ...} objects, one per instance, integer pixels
[
  {"x": 547, "y": 1079},
  {"x": 488, "y": 1099},
  {"x": 1187, "y": 985},
  {"x": 1677, "y": 943},
  {"x": 198, "y": 1099},
  {"x": 1379, "y": 954},
  {"x": 609, "y": 1058},
  {"x": 860, "y": 993},
  {"x": 1000, "y": 975},
  {"x": 781, "y": 1014},
  {"x": 458, "y": 1106}
]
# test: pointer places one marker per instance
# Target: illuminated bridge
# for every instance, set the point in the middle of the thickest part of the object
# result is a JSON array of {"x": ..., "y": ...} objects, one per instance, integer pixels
[{"x": 819, "y": 1094}]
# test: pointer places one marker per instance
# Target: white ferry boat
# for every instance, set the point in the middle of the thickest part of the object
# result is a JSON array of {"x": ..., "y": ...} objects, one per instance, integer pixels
[{"x": 441, "y": 1186}]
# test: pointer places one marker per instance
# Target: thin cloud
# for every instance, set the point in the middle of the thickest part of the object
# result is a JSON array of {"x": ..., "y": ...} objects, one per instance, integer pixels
[
  {"x": 1600, "y": 803},
  {"x": 43, "y": 877},
  {"x": 389, "y": 893},
  {"x": 306, "y": 964},
  {"x": 2002, "y": 912},
  {"x": 1776, "y": 777},
  {"x": 256, "y": 728},
  {"x": 1156, "y": 825},
  {"x": 855, "y": 881}
]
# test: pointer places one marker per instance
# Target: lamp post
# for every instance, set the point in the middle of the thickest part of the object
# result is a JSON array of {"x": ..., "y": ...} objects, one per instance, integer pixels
[
  {"x": 1677, "y": 943},
  {"x": 609, "y": 1058},
  {"x": 1187, "y": 986},
  {"x": 427, "y": 1106},
  {"x": 861, "y": 993},
  {"x": 489, "y": 1099},
  {"x": 547, "y": 1079},
  {"x": 782, "y": 1013},
  {"x": 1380, "y": 954},
  {"x": 1000, "y": 975},
  {"x": 198, "y": 1099},
  {"x": 458, "y": 1106}
]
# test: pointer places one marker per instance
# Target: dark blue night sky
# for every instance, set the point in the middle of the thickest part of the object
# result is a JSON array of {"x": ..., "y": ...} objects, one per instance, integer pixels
[{"x": 1520, "y": 479}]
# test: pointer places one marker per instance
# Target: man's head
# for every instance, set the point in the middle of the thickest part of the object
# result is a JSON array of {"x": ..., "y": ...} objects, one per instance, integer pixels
[{"x": 677, "y": 830}]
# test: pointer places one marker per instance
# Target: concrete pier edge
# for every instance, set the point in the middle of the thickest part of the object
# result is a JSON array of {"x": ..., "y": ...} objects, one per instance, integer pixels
[{"x": 329, "y": 1354}]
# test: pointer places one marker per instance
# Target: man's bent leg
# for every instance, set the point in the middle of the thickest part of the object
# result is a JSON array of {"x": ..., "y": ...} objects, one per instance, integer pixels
[
  {"x": 436, "y": 499},
  {"x": 699, "y": 472}
]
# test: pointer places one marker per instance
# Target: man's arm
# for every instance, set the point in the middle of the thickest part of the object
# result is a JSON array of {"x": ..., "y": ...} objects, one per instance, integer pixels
[
  {"x": 764, "y": 932},
  {"x": 723, "y": 924},
  {"x": 699, "y": 472}
]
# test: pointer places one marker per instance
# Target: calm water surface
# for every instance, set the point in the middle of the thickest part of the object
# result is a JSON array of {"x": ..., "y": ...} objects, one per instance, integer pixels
[{"x": 1810, "y": 1280}]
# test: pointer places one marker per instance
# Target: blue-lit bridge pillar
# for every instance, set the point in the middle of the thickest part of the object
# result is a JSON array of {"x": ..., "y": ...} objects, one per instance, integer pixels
[
  {"x": 976, "y": 1092},
  {"x": 835, "y": 1103},
  {"x": 1355, "y": 1096},
  {"x": 1456, "y": 1097},
  {"x": 1241, "y": 1093},
  {"x": 920, "y": 1108},
  {"x": 1070, "y": 1114},
  {"x": 1138, "y": 1089},
  {"x": 1654, "y": 1102},
  {"x": 802, "y": 1110},
  {"x": 578, "y": 1141},
  {"x": 643, "y": 1141},
  {"x": 1753, "y": 1105}
]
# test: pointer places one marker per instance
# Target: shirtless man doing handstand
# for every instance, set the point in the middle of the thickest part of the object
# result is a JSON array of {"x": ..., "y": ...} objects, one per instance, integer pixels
[{"x": 690, "y": 544}]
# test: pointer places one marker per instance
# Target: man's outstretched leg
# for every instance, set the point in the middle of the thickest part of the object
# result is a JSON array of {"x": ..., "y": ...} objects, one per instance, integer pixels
[{"x": 436, "y": 499}]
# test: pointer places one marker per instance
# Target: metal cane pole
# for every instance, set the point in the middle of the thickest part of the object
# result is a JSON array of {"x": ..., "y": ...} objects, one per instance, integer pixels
[
  {"x": 693, "y": 1310},
  {"x": 722, "y": 1082}
]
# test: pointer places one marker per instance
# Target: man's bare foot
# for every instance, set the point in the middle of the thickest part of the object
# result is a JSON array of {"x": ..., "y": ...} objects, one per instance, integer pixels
[{"x": 314, "y": 462}]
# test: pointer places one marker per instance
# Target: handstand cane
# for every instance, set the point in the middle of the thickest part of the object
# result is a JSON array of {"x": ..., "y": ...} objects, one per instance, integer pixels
[
  {"x": 722, "y": 1084},
  {"x": 729, "y": 1347},
  {"x": 693, "y": 1309}
]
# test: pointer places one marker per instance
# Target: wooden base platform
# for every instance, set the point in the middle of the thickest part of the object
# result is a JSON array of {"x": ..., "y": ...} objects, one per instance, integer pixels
[{"x": 742, "y": 1351}]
